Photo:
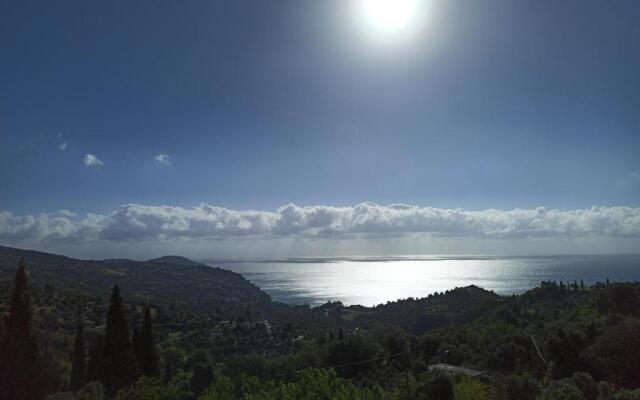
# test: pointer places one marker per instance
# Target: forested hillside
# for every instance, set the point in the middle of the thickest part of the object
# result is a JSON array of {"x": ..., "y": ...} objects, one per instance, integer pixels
[
  {"x": 558, "y": 341},
  {"x": 165, "y": 281}
]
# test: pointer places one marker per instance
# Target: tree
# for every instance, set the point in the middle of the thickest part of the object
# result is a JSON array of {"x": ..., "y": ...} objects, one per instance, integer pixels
[
  {"x": 78, "y": 362},
  {"x": 95, "y": 368},
  {"x": 119, "y": 361},
  {"x": 201, "y": 379},
  {"x": 520, "y": 388},
  {"x": 623, "y": 298},
  {"x": 19, "y": 369},
  {"x": 173, "y": 359},
  {"x": 152, "y": 389},
  {"x": 436, "y": 387},
  {"x": 470, "y": 389},
  {"x": 353, "y": 355},
  {"x": 565, "y": 350},
  {"x": 614, "y": 355},
  {"x": 586, "y": 384},
  {"x": 137, "y": 348},
  {"x": 91, "y": 391},
  {"x": 149, "y": 364},
  {"x": 562, "y": 390}
]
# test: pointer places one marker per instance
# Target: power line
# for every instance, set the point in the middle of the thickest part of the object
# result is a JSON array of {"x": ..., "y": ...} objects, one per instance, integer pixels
[
  {"x": 366, "y": 361},
  {"x": 345, "y": 365}
]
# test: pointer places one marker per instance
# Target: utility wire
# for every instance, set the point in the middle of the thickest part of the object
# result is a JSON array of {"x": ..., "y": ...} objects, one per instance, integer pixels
[{"x": 345, "y": 365}]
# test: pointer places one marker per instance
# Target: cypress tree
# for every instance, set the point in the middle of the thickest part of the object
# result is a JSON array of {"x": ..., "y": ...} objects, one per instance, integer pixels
[
  {"x": 201, "y": 379},
  {"x": 120, "y": 369},
  {"x": 19, "y": 369},
  {"x": 148, "y": 349},
  {"x": 135, "y": 343},
  {"x": 95, "y": 368},
  {"x": 78, "y": 363}
]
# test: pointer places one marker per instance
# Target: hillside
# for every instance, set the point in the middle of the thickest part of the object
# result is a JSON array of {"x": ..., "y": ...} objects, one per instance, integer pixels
[
  {"x": 552, "y": 342},
  {"x": 175, "y": 260},
  {"x": 163, "y": 281},
  {"x": 417, "y": 316}
]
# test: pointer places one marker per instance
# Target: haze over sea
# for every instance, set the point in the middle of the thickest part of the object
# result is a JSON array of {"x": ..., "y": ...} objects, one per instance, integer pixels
[{"x": 373, "y": 280}]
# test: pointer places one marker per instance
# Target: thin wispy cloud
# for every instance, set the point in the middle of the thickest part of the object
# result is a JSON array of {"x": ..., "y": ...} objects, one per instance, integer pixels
[
  {"x": 90, "y": 160},
  {"x": 163, "y": 159},
  {"x": 62, "y": 144}
]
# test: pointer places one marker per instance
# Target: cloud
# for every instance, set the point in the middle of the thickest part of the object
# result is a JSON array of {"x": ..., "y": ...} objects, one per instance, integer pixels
[
  {"x": 62, "y": 145},
  {"x": 135, "y": 222},
  {"x": 90, "y": 160},
  {"x": 635, "y": 175},
  {"x": 162, "y": 159}
]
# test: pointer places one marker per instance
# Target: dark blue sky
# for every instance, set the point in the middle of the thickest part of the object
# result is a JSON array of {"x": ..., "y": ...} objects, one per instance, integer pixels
[{"x": 496, "y": 104}]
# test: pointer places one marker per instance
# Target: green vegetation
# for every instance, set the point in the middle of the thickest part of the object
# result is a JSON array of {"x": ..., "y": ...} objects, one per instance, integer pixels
[{"x": 557, "y": 341}]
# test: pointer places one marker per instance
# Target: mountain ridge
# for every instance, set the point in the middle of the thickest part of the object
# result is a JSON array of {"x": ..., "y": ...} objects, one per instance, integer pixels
[
  {"x": 177, "y": 260},
  {"x": 192, "y": 284}
]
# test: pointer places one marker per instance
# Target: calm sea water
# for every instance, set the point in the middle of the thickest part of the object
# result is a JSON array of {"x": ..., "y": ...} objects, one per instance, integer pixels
[{"x": 371, "y": 281}]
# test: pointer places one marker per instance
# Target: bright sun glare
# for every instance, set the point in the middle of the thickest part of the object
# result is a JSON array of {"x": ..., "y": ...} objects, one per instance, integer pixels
[{"x": 390, "y": 16}]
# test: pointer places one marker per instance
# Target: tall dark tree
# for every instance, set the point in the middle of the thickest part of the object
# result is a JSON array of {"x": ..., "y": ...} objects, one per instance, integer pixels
[
  {"x": 19, "y": 369},
  {"x": 201, "y": 379},
  {"x": 137, "y": 349},
  {"x": 78, "y": 362},
  {"x": 120, "y": 369},
  {"x": 148, "y": 348},
  {"x": 95, "y": 367}
]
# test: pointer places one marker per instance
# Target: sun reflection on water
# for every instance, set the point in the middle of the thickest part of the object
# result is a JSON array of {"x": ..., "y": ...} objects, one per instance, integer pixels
[{"x": 375, "y": 281}]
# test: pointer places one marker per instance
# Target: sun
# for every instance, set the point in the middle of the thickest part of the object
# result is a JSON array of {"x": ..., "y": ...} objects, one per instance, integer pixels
[{"x": 389, "y": 17}]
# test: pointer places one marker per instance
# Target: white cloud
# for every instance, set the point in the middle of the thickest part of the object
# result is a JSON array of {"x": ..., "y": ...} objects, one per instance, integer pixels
[
  {"x": 162, "y": 159},
  {"x": 62, "y": 144},
  {"x": 90, "y": 160},
  {"x": 635, "y": 175},
  {"x": 135, "y": 222}
]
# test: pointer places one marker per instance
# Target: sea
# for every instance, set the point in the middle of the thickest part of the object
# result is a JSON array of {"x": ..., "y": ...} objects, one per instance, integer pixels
[{"x": 370, "y": 281}]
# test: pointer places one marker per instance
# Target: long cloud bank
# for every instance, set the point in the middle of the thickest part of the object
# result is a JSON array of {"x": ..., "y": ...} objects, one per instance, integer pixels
[{"x": 140, "y": 222}]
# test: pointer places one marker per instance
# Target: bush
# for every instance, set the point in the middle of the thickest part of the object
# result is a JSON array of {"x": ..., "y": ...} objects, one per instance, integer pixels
[
  {"x": 90, "y": 391},
  {"x": 470, "y": 389},
  {"x": 520, "y": 388},
  {"x": 152, "y": 389},
  {"x": 562, "y": 390},
  {"x": 437, "y": 386}
]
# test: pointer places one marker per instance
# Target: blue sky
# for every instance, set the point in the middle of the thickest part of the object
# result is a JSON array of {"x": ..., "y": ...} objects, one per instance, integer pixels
[{"x": 493, "y": 104}]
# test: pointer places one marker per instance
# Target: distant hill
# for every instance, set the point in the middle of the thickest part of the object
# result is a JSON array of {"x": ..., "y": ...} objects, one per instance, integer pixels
[
  {"x": 167, "y": 280},
  {"x": 176, "y": 260},
  {"x": 451, "y": 308},
  {"x": 116, "y": 260}
]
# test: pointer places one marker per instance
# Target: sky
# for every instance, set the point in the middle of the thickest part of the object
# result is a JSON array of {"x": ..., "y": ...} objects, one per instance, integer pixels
[{"x": 294, "y": 128}]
